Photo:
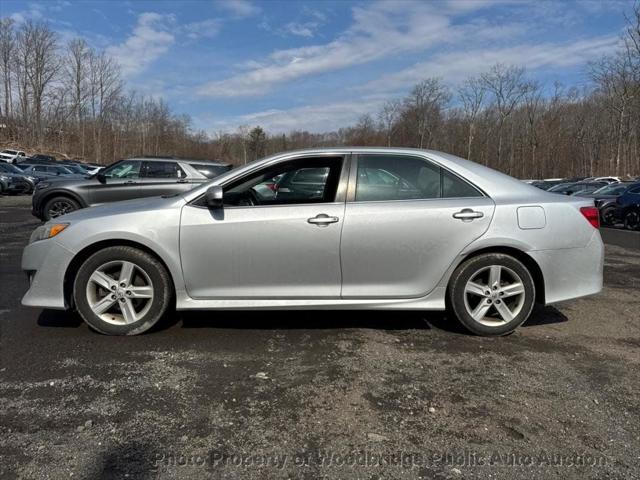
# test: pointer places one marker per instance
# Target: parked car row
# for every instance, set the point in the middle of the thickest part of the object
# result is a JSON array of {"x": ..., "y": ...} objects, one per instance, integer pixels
[
  {"x": 123, "y": 180},
  {"x": 618, "y": 202}
]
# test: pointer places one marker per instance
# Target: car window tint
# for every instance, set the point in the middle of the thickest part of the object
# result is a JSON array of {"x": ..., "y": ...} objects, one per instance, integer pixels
[
  {"x": 635, "y": 190},
  {"x": 163, "y": 170},
  {"x": 398, "y": 177},
  {"x": 295, "y": 182},
  {"x": 455, "y": 187},
  {"x": 126, "y": 169},
  {"x": 39, "y": 168}
]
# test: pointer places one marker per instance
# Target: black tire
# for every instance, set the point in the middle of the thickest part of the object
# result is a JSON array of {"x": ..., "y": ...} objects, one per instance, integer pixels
[
  {"x": 608, "y": 216},
  {"x": 60, "y": 204},
  {"x": 160, "y": 283},
  {"x": 632, "y": 220},
  {"x": 470, "y": 268}
]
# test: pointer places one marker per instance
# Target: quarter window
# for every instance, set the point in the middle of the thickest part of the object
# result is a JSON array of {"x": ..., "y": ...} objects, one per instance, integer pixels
[
  {"x": 163, "y": 170},
  {"x": 397, "y": 177}
]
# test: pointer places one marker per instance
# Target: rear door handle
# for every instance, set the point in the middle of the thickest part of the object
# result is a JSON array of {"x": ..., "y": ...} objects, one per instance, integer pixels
[
  {"x": 466, "y": 215},
  {"x": 322, "y": 220}
]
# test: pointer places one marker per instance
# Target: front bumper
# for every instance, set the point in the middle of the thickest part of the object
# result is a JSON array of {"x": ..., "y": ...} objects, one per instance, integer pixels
[
  {"x": 572, "y": 272},
  {"x": 46, "y": 262}
]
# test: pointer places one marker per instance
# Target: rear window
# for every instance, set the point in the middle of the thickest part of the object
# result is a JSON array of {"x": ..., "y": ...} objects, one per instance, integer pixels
[{"x": 211, "y": 171}]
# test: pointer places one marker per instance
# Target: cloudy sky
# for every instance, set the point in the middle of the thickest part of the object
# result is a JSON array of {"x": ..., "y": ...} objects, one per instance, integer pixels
[{"x": 319, "y": 65}]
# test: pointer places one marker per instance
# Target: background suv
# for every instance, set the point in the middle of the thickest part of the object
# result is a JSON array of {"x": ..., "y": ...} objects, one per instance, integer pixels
[{"x": 124, "y": 180}]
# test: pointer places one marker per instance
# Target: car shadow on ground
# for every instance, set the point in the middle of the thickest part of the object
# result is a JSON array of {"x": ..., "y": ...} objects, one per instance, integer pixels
[{"x": 307, "y": 319}]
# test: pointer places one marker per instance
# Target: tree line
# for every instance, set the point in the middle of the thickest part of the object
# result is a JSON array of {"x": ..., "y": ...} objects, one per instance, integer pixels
[{"x": 71, "y": 99}]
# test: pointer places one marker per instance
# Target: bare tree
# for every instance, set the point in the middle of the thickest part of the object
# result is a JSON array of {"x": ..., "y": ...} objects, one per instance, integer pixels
[
  {"x": 76, "y": 68},
  {"x": 424, "y": 105},
  {"x": 388, "y": 117},
  {"x": 38, "y": 50},
  {"x": 7, "y": 50},
  {"x": 472, "y": 94},
  {"x": 507, "y": 87}
]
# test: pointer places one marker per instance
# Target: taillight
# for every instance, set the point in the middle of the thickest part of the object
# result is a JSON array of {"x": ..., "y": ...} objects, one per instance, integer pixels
[{"x": 592, "y": 215}]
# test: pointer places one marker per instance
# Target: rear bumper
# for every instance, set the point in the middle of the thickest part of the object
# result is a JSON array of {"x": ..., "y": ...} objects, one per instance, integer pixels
[
  {"x": 573, "y": 272},
  {"x": 45, "y": 262}
]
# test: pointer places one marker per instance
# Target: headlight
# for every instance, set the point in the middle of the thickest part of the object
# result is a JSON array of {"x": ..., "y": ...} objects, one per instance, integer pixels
[
  {"x": 32, "y": 179},
  {"x": 41, "y": 185},
  {"x": 47, "y": 231},
  {"x": 4, "y": 178}
]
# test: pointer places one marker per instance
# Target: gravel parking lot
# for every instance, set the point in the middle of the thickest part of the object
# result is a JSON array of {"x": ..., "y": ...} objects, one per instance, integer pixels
[{"x": 336, "y": 395}]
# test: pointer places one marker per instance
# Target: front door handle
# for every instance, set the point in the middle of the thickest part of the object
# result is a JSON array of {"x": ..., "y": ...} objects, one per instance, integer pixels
[
  {"x": 129, "y": 182},
  {"x": 466, "y": 215},
  {"x": 322, "y": 220}
]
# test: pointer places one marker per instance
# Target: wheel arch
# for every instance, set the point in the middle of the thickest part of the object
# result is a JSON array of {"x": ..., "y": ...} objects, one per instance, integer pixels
[
  {"x": 522, "y": 256},
  {"x": 62, "y": 193},
  {"x": 89, "y": 250}
]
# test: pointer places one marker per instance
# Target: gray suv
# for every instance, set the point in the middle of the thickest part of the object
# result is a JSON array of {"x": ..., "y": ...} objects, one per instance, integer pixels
[{"x": 124, "y": 180}]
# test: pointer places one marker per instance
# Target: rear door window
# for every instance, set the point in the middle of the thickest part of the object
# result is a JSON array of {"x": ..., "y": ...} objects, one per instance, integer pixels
[{"x": 403, "y": 177}]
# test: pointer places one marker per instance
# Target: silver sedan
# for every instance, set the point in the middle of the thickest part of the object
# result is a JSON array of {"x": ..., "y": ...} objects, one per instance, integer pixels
[{"x": 350, "y": 228}]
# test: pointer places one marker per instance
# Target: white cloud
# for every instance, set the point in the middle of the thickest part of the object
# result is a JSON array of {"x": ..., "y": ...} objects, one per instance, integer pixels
[
  {"x": 453, "y": 66},
  {"x": 203, "y": 29},
  {"x": 240, "y": 8},
  {"x": 300, "y": 29},
  {"x": 378, "y": 31},
  {"x": 313, "y": 118},
  {"x": 151, "y": 38}
]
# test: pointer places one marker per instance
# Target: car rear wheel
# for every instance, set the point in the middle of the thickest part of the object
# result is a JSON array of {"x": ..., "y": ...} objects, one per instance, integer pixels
[
  {"x": 492, "y": 294},
  {"x": 122, "y": 291},
  {"x": 608, "y": 216},
  {"x": 632, "y": 220},
  {"x": 57, "y": 206}
]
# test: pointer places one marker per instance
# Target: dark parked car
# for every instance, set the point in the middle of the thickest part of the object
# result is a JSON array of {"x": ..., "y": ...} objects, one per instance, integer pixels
[
  {"x": 605, "y": 201},
  {"x": 40, "y": 158},
  {"x": 13, "y": 180},
  {"x": 124, "y": 180},
  {"x": 629, "y": 207},
  {"x": 547, "y": 184},
  {"x": 577, "y": 188},
  {"x": 48, "y": 171}
]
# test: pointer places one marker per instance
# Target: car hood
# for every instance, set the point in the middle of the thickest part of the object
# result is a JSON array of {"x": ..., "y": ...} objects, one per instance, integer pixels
[
  {"x": 124, "y": 207},
  {"x": 69, "y": 180}
]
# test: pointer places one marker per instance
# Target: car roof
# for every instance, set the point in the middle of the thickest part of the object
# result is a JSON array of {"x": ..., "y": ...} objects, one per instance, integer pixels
[
  {"x": 183, "y": 160},
  {"x": 499, "y": 186}
]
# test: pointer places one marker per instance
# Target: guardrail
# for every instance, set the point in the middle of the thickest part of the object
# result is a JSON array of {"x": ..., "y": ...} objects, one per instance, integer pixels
[{"x": 621, "y": 238}]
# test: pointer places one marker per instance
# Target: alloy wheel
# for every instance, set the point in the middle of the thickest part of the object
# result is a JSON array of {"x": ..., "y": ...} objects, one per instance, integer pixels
[
  {"x": 494, "y": 295},
  {"x": 60, "y": 207},
  {"x": 120, "y": 292}
]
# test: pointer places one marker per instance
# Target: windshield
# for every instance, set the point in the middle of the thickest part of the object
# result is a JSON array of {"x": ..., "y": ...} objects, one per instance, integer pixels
[{"x": 616, "y": 189}]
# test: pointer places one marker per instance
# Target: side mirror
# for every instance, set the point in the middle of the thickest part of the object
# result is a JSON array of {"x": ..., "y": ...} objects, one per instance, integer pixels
[
  {"x": 213, "y": 196},
  {"x": 101, "y": 178}
]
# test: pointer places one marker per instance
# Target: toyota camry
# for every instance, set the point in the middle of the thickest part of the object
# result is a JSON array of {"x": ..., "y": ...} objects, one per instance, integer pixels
[{"x": 346, "y": 228}]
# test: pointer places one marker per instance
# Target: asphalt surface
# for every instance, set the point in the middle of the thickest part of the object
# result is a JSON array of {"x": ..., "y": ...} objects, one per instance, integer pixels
[{"x": 335, "y": 395}]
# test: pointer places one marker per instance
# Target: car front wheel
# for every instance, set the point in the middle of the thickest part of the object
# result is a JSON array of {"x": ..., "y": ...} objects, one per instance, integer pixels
[
  {"x": 492, "y": 294},
  {"x": 59, "y": 206},
  {"x": 122, "y": 291}
]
